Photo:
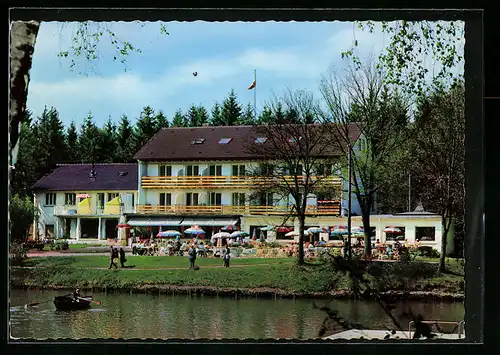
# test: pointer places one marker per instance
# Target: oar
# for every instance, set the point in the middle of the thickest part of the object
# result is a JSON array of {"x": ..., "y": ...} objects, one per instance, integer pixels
[
  {"x": 35, "y": 304},
  {"x": 85, "y": 299}
]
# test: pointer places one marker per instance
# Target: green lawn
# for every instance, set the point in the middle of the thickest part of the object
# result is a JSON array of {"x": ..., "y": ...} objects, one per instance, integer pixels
[
  {"x": 146, "y": 262},
  {"x": 277, "y": 273}
]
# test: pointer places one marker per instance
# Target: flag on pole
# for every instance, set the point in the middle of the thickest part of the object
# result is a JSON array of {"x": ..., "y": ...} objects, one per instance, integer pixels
[{"x": 254, "y": 84}]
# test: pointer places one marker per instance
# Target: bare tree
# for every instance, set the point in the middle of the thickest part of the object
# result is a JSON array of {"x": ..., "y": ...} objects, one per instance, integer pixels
[
  {"x": 358, "y": 96},
  {"x": 296, "y": 158},
  {"x": 439, "y": 152}
]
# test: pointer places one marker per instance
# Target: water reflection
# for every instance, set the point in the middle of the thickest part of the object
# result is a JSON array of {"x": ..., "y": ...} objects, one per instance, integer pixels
[{"x": 165, "y": 316}]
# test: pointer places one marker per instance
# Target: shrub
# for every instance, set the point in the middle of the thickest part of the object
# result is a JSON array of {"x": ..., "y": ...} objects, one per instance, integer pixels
[
  {"x": 427, "y": 251},
  {"x": 273, "y": 245},
  {"x": 18, "y": 253}
]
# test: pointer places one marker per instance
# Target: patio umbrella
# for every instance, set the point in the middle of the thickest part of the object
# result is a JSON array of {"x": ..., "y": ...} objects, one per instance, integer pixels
[
  {"x": 221, "y": 235},
  {"x": 229, "y": 228},
  {"x": 339, "y": 232},
  {"x": 393, "y": 230},
  {"x": 170, "y": 233},
  {"x": 296, "y": 233},
  {"x": 239, "y": 234},
  {"x": 316, "y": 230},
  {"x": 194, "y": 231},
  {"x": 284, "y": 229},
  {"x": 268, "y": 228},
  {"x": 123, "y": 225}
]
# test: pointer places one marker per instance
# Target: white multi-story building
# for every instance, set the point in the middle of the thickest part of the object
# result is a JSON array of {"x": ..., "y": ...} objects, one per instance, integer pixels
[
  {"x": 202, "y": 176},
  {"x": 82, "y": 201}
]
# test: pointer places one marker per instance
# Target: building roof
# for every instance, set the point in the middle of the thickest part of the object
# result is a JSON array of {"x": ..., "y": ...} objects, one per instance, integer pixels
[
  {"x": 75, "y": 177},
  {"x": 176, "y": 143}
]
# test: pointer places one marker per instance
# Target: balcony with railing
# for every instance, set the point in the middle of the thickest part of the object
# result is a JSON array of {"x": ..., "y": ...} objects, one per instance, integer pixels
[
  {"x": 66, "y": 210},
  {"x": 235, "y": 182},
  {"x": 332, "y": 210}
]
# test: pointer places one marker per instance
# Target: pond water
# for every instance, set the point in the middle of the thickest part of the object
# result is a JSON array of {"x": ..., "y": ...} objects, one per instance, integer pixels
[{"x": 163, "y": 316}]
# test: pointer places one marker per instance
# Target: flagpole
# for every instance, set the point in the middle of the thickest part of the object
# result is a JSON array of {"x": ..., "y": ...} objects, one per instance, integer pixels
[{"x": 255, "y": 95}]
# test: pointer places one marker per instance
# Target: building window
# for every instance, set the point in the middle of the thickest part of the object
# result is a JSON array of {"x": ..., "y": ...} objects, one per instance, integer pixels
[
  {"x": 198, "y": 141},
  {"x": 100, "y": 200},
  {"x": 133, "y": 200},
  {"x": 112, "y": 195},
  {"x": 165, "y": 199},
  {"x": 165, "y": 170},
  {"x": 191, "y": 199},
  {"x": 238, "y": 199},
  {"x": 49, "y": 231},
  {"x": 238, "y": 170},
  {"x": 225, "y": 140},
  {"x": 215, "y": 170},
  {"x": 70, "y": 199},
  {"x": 425, "y": 234},
  {"x": 192, "y": 170},
  {"x": 50, "y": 199},
  {"x": 215, "y": 199}
]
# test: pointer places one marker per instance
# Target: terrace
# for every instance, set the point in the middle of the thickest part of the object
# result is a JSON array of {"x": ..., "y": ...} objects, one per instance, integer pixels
[{"x": 235, "y": 182}]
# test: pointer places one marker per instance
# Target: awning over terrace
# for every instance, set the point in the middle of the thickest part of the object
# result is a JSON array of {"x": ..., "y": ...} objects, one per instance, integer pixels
[
  {"x": 149, "y": 221},
  {"x": 210, "y": 222}
]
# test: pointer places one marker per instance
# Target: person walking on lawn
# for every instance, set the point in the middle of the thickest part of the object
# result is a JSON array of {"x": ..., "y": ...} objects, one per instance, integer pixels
[
  {"x": 122, "y": 257},
  {"x": 227, "y": 256},
  {"x": 113, "y": 255},
  {"x": 192, "y": 256}
]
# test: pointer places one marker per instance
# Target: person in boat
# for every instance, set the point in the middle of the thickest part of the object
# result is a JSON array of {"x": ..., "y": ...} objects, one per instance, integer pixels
[
  {"x": 122, "y": 257},
  {"x": 76, "y": 295},
  {"x": 113, "y": 255}
]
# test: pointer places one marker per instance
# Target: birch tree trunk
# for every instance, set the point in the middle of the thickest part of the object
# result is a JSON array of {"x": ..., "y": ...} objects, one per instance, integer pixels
[{"x": 22, "y": 44}]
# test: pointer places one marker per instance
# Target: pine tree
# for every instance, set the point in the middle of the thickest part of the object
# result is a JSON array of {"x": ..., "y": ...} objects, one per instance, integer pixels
[
  {"x": 279, "y": 115},
  {"x": 51, "y": 147},
  {"x": 72, "y": 143},
  {"x": 231, "y": 109},
  {"x": 266, "y": 116},
  {"x": 108, "y": 143},
  {"x": 202, "y": 116},
  {"x": 192, "y": 116},
  {"x": 179, "y": 119},
  {"x": 125, "y": 139},
  {"x": 216, "y": 119},
  {"x": 161, "y": 121},
  {"x": 248, "y": 116},
  {"x": 89, "y": 140},
  {"x": 146, "y": 127}
]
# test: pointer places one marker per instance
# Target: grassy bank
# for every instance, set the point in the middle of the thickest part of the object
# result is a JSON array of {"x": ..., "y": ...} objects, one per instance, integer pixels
[{"x": 257, "y": 275}]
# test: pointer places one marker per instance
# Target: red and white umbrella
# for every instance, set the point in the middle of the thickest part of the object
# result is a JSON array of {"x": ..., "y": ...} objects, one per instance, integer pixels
[{"x": 393, "y": 230}]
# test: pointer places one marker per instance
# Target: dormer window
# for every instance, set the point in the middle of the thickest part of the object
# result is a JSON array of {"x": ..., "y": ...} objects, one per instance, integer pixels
[
  {"x": 198, "y": 141},
  {"x": 225, "y": 140},
  {"x": 261, "y": 140}
]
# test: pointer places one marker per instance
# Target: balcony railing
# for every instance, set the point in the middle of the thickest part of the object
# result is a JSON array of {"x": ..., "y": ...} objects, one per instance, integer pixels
[
  {"x": 94, "y": 211},
  {"x": 234, "y": 210},
  {"x": 219, "y": 182}
]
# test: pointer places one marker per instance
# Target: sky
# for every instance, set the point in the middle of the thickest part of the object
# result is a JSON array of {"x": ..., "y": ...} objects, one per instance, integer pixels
[{"x": 286, "y": 55}]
